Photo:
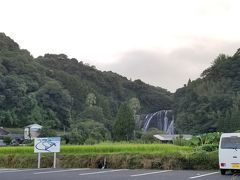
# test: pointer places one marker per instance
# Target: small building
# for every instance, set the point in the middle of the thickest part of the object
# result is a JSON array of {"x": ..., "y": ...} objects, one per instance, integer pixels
[
  {"x": 3, "y": 132},
  {"x": 32, "y": 131},
  {"x": 166, "y": 138},
  {"x": 17, "y": 138}
]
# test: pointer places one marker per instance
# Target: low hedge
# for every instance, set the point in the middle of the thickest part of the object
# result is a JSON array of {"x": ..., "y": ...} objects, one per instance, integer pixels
[{"x": 195, "y": 160}]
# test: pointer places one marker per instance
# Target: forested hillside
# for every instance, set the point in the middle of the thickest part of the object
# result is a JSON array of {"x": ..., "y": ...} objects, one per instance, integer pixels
[
  {"x": 212, "y": 102},
  {"x": 60, "y": 93}
]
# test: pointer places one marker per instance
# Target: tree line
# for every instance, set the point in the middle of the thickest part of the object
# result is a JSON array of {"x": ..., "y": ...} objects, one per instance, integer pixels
[
  {"x": 212, "y": 102},
  {"x": 65, "y": 94}
]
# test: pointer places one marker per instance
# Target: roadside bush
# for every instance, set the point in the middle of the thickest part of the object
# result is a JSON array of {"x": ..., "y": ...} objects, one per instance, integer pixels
[
  {"x": 117, "y": 155},
  {"x": 197, "y": 160},
  {"x": 28, "y": 142},
  {"x": 147, "y": 137},
  {"x": 7, "y": 140},
  {"x": 47, "y": 132},
  {"x": 208, "y": 138},
  {"x": 179, "y": 141},
  {"x": 209, "y": 147},
  {"x": 91, "y": 141},
  {"x": 203, "y": 160},
  {"x": 75, "y": 138}
]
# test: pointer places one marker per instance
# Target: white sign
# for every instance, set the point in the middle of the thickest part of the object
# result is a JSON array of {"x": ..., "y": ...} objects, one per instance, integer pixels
[{"x": 46, "y": 145}]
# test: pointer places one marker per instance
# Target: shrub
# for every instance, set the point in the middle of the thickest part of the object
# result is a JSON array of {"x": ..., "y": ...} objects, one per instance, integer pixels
[
  {"x": 47, "y": 132},
  {"x": 7, "y": 140},
  {"x": 179, "y": 141},
  {"x": 28, "y": 142},
  {"x": 209, "y": 147},
  {"x": 203, "y": 160},
  {"x": 208, "y": 138},
  {"x": 91, "y": 141},
  {"x": 147, "y": 137}
]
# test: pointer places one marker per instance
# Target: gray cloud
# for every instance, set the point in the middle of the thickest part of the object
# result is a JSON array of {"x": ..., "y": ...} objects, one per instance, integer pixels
[{"x": 171, "y": 70}]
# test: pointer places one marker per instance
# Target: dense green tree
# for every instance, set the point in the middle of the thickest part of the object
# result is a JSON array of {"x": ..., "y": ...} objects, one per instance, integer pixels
[
  {"x": 75, "y": 137},
  {"x": 88, "y": 130},
  {"x": 210, "y": 103},
  {"x": 93, "y": 112},
  {"x": 134, "y": 104},
  {"x": 47, "y": 132},
  {"x": 124, "y": 126},
  {"x": 91, "y": 100},
  {"x": 52, "y": 96}
]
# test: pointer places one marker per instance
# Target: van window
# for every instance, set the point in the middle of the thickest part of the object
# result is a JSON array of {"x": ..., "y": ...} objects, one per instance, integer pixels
[{"x": 232, "y": 142}]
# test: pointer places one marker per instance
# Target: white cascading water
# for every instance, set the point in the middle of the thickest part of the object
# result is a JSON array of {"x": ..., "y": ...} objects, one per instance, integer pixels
[
  {"x": 162, "y": 121},
  {"x": 170, "y": 129},
  {"x": 165, "y": 126},
  {"x": 145, "y": 127}
]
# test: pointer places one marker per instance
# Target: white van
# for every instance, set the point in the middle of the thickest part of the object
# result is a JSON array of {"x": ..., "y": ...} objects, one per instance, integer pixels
[{"x": 229, "y": 152}]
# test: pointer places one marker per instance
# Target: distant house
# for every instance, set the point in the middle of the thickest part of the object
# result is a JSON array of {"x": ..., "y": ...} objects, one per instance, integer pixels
[
  {"x": 3, "y": 132},
  {"x": 16, "y": 138},
  {"x": 32, "y": 131},
  {"x": 165, "y": 138}
]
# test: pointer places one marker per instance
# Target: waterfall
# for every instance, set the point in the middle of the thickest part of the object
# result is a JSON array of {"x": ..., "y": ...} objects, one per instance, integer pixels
[
  {"x": 145, "y": 127},
  {"x": 170, "y": 129},
  {"x": 163, "y": 120}
]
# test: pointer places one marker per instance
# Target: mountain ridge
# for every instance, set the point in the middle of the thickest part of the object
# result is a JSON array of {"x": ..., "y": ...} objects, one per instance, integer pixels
[{"x": 52, "y": 90}]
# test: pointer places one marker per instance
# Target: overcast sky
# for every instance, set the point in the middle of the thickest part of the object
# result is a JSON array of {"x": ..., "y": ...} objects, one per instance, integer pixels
[{"x": 162, "y": 42}]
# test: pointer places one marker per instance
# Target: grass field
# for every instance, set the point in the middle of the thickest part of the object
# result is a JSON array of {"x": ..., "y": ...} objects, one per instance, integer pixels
[
  {"x": 106, "y": 148},
  {"x": 118, "y": 155}
]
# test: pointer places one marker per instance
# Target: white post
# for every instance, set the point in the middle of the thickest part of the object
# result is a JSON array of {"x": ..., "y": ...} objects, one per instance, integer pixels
[
  {"x": 39, "y": 160},
  {"x": 54, "y": 160}
]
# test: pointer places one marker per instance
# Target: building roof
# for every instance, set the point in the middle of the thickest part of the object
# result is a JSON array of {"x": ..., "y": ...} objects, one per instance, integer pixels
[
  {"x": 35, "y": 126},
  {"x": 3, "y": 131},
  {"x": 165, "y": 137}
]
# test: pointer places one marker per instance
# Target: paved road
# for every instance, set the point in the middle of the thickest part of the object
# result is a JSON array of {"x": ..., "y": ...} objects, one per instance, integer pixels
[{"x": 110, "y": 174}]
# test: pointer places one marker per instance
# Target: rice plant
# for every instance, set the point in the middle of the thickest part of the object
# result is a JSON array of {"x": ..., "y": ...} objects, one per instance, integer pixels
[{"x": 105, "y": 148}]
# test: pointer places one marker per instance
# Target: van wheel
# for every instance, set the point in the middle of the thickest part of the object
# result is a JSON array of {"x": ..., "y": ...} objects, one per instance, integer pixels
[{"x": 223, "y": 171}]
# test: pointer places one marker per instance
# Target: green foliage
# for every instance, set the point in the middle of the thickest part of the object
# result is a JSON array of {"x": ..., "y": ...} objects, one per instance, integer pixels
[
  {"x": 91, "y": 99},
  {"x": 179, "y": 141},
  {"x": 28, "y": 142},
  {"x": 58, "y": 92},
  {"x": 211, "y": 103},
  {"x": 119, "y": 155},
  {"x": 203, "y": 160},
  {"x": 57, "y": 101},
  {"x": 47, "y": 132},
  {"x": 124, "y": 126},
  {"x": 93, "y": 112},
  {"x": 106, "y": 148},
  {"x": 134, "y": 104},
  {"x": 75, "y": 137},
  {"x": 203, "y": 139},
  {"x": 89, "y": 132},
  {"x": 91, "y": 141},
  {"x": 200, "y": 161},
  {"x": 208, "y": 147},
  {"x": 7, "y": 140},
  {"x": 7, "y": 43},
  {"x": 147, "y": 137}
]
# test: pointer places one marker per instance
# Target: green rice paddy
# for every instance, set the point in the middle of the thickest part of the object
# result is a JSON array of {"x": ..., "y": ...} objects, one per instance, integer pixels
[{"x": 106, "y": 148}]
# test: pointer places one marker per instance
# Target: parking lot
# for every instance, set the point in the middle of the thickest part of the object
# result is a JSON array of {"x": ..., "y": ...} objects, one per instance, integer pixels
[{"x": 107, "y": 174}]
